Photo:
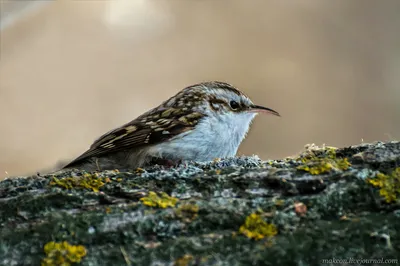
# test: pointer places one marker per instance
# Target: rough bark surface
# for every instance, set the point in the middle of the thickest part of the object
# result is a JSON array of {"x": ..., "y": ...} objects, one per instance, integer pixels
[{"x": 324, "y": 205}]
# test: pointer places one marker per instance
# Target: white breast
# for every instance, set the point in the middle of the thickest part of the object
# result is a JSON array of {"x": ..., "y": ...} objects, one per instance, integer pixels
[{"x": 214, "y": 137}]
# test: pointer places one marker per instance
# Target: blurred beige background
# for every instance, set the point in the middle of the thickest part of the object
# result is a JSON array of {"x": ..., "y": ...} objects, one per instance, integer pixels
[{"x": 71, "y": 70}]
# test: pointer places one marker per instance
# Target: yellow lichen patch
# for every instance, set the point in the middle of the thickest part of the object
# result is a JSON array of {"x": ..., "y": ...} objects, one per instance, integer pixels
[
  {"x": 279, "y": 202},
  {"x": 87, "y": 181},
  {"x": 183, "y": 261},
  {"x": 323, "y": 163},
  {"x": 217, "y": 160},
  {"x": 139, "y": 170},
  {"x": 187, "y": 212},
  {"x": 255, "y": 227},
  {"x": 389, "y": 184},
  {"x": 162, "y": 201},
  {"x": 62, "y": 253}
]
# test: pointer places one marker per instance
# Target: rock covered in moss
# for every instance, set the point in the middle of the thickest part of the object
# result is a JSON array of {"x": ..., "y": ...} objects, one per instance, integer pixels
[{"x": 323, "y": 204}]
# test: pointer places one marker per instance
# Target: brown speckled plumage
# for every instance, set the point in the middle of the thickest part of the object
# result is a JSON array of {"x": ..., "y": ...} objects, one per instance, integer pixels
[{"x": 175, "y": 117}]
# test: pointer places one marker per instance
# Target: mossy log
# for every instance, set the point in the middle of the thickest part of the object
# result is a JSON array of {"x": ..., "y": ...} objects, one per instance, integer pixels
[{"x": 323, "y": 206}]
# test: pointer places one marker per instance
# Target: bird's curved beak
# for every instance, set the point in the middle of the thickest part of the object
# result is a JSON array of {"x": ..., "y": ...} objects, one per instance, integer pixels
[{"x": 262, "y": 109}]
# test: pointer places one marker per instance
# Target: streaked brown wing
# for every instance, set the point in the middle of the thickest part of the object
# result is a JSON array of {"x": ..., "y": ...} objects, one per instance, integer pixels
[{"x": 149, "y": 129}]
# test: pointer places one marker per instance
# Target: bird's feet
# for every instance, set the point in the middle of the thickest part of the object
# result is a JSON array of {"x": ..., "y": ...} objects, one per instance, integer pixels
[{"x": 167, "y": 163}]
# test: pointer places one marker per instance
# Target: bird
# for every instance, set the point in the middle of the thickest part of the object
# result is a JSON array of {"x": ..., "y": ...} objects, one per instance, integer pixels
[{"x": 202, "y": 122}]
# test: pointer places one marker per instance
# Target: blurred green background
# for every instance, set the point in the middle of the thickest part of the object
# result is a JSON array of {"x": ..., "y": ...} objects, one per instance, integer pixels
[{"x": 72, "y": 70}]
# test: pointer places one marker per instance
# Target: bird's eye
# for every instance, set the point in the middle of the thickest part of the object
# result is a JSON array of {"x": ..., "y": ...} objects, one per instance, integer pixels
[{"x": 234, "y": 105}]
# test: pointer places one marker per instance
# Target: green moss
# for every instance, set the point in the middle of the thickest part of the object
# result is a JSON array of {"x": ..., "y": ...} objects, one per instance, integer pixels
[
  {"x": 389, "y": 185},
  {"x": 62, "y": 253},
  {"x": 255, "y": 227},
  {"x": 162, "y": 201},
  {"x": 87, "y": 181},
  {"x": 323, "y": 163}
]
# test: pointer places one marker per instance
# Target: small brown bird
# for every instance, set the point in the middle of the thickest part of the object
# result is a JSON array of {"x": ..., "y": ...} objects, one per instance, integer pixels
[{"x": 200, "y": 123}]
